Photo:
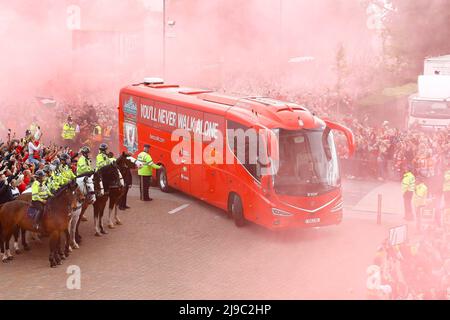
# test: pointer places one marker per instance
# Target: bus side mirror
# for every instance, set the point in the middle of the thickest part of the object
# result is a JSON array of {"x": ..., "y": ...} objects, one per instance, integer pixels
[{"x": 346, "y": 131}]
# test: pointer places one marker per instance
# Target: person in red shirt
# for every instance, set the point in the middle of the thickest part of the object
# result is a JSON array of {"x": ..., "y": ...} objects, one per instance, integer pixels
[{"x": 25, "y": 182}]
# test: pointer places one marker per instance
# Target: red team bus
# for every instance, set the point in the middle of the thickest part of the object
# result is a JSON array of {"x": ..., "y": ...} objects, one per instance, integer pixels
[{"x": 304, "y": 191}]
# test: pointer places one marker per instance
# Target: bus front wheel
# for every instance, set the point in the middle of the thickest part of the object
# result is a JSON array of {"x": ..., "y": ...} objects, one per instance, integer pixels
[
  {"x": 162, "y": 180},
  {"x": 237, "y": 211}
]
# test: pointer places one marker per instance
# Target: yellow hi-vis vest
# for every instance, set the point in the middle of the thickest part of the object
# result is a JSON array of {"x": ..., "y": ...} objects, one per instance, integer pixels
[
  {"x": 420, "y": 195},
  {"x": 83, "y": 166},
  {"x": 39, "y": 191},
  {"x": 447, "y": 181},
  {"x": 147, "y": 164},
  {"x": 102, "y": 160},
  {"x": 408, "y": 182},
  {"x": 97, "y": 133},
  {"x": 68, "y": 132}
]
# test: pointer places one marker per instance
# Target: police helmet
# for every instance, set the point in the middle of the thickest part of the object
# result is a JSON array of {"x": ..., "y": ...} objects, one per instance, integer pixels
[
  {"x": 56, "y": 162},
  {"x": 39, "y": 174},
  {"x": 103, "y": 147},
  {"x": 85, "y": 150},
  {"x": 47, "y": 168},
  {"x": 65, "y": 157}
]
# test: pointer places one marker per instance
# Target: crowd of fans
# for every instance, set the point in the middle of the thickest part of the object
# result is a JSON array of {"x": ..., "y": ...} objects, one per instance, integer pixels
[
  {"x": 416, "y": 269},
  {"x": 21, "y": 157},
  {"x": 95, "y": 123}
]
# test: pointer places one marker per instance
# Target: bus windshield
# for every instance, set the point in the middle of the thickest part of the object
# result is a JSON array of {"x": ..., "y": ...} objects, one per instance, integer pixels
[
  {"x": 308, "y": 163},
  {"x": 431, "y": 109}
]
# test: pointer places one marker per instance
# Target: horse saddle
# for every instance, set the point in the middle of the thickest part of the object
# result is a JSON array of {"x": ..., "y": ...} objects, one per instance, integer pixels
[{"x": 32, "y": 212}]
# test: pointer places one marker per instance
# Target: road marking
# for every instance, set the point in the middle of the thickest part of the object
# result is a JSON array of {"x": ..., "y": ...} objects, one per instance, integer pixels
[{"x": 179, "y": 208}]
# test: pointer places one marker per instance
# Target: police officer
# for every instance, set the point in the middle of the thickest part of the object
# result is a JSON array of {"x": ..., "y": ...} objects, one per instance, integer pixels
[
  {"x": 69, "y": 132},
  {"x": 84, "y": 163},
  {"x": 67, "y": 174},
  {"x": 56, "y": 175},
  {"x": 408, "y": 187},
  {"x": 48, "y": 180},
  {"x": 102, "y": 159},
  {"x": 420, "y": 199},
  {"x": 145, "y": 172},
  {"x": 39, "y": 196}
]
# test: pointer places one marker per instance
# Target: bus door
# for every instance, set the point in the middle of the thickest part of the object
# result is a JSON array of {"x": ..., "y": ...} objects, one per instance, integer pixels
[
  {"x": 214, "y": 176},
  {"x": 191, "y": 121},
  {"x": 183, "y": 170}
]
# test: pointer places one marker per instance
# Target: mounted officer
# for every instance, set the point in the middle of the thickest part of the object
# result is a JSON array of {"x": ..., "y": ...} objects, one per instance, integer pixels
[
  {"x": 102, "y": 159},
  {"x": 84, "y": 163},
  {"x": 67, "y": 174},
  {"x": 39, "y": 196}
]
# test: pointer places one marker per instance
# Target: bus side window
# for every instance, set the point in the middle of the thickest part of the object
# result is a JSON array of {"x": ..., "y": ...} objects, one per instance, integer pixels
[{"x": 242, "y": 151}]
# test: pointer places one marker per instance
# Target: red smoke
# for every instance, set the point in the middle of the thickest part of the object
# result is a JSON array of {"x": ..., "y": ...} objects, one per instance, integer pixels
[{"x": 234, "y": 45}]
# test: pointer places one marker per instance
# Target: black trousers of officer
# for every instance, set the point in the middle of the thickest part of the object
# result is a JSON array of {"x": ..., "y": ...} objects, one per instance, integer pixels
[
  {"x": 407, "y": 198},
  {"x": 144, "y": 184},
  {"x": 123, "y": 200}
]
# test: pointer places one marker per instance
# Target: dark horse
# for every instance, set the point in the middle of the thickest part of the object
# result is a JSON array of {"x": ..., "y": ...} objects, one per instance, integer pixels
[
  {"x": 55, "y": 221},
  {"x": 108, "y": 185}
]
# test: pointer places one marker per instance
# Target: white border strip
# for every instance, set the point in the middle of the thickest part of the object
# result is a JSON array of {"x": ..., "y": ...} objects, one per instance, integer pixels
[{"x": 179, "y": 208}]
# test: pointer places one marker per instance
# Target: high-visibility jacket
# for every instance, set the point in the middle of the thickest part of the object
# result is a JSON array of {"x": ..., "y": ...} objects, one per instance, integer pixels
[
  {"x": 49, "y": 184},
  {"x": 408, "y": 182},
  {"x": 39, "y": 191},
  {"x": 83, "y": 166},
  {"x": 147, "y": 164},
  {"x": 447, "y": 181},
  {"x": 67, "y": 174},
  {"x": 68, "y": 132},
  {"x": 420, "y": 195},
  {"x": 102, "y": 160},
  {"x": 97, "y": 133},
  {"x": 57, "y": 180}
]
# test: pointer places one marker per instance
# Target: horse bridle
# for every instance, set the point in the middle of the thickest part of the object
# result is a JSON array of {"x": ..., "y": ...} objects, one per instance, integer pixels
[{"x": 88, "y": 193}]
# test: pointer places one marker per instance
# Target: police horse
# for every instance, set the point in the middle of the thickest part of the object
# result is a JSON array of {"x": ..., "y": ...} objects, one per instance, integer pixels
[
  {"x": 55, "y": 221},
  {"x": 108, "y": 185},
  {"x": 68, "y": 200}
]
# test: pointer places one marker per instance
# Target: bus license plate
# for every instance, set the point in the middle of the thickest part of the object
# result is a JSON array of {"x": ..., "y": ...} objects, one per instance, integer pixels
[{"x": 313, "y": 220}]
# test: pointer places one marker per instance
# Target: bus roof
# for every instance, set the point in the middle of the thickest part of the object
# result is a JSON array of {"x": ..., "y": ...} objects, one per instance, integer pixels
[
  {"x": 267, "y": 112},
  {"x": 419, "y": 98},
  {"x": 439, "y": 58}
]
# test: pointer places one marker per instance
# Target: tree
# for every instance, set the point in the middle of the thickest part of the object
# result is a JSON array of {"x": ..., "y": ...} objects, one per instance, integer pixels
[
  {"x": 417, "y": 29},
  {"x": 341, "y": 69}
]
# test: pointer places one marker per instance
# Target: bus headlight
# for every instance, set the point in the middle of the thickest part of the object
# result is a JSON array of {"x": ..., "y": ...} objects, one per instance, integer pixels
[
  {"x": 338, "y": 207},
  {"x": 278, "y": 212}
]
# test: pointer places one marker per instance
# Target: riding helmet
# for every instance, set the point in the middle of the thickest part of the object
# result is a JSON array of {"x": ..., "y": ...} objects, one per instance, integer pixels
[
  {"x": 103, "y": 147},
  {"x": 85, "y": 150},
  {"x": 39, "y": 174}
]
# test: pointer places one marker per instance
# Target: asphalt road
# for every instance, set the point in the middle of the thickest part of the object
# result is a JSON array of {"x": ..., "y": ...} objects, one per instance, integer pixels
[{"x": 194, "y": 252}]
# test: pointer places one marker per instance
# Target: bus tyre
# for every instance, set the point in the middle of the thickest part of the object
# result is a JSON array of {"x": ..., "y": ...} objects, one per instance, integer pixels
[
  {"x": 237, "y": 211},
  {"x": 162, "y": 180}
]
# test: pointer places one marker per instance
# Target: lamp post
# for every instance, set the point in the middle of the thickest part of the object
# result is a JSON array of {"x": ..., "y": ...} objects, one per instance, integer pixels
[{"x": 164, "y": 39}]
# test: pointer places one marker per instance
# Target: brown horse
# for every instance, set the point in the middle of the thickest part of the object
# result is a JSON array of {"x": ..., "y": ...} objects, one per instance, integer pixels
[{"x": 55, "y": 221}]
